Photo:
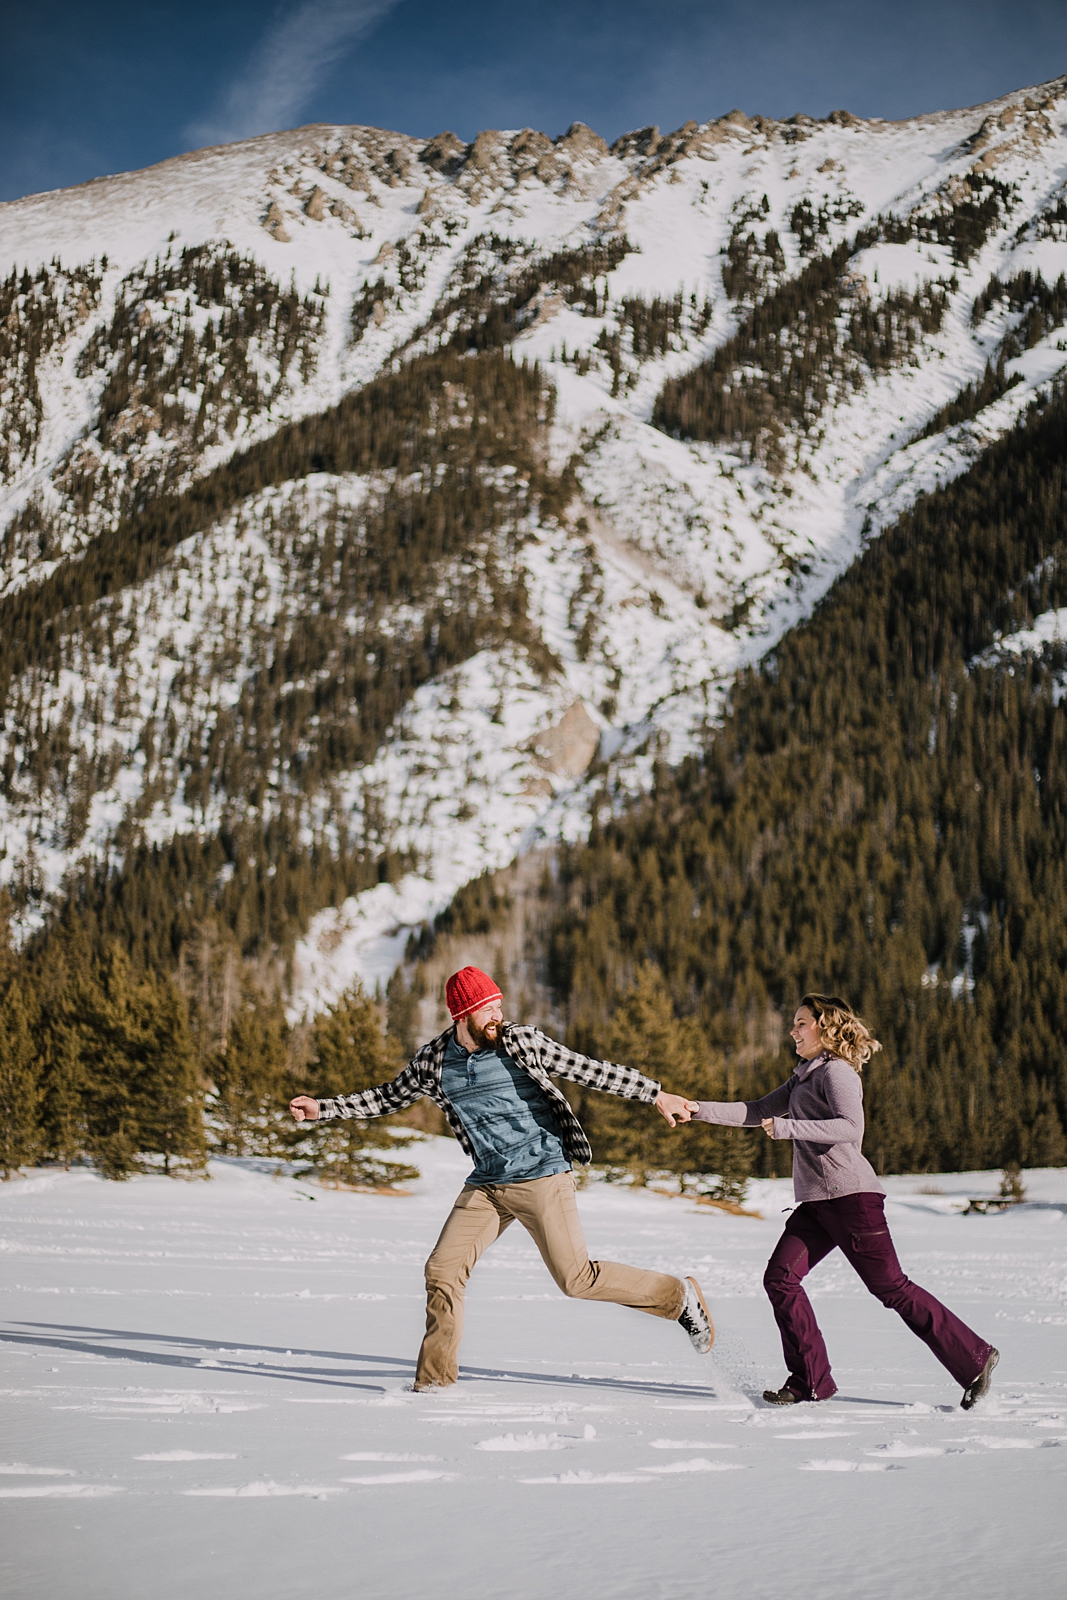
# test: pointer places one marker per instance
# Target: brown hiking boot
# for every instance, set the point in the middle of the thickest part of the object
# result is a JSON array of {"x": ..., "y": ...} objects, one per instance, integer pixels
[
  {"x": 781, "y": 1397},
  {"x": 974, "y": 1391}
]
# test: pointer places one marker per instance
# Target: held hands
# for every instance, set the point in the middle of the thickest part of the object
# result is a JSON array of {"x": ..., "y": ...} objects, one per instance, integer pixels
[
  {"x": 304, "y": 1108},
  {"x": 768, "y": 1126},
  {"x": 675, "y": 1106}
]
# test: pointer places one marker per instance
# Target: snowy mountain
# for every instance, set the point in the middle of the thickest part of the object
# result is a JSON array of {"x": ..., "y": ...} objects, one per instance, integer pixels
[{"x": 377, "y": 503}]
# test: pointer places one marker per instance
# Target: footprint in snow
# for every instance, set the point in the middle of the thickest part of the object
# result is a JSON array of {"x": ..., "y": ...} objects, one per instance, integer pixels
[
  {"x": 54, "y": 1491},
  {"x": 995, "y": 1442},
  {"x": 900, "y": 1447},
  {"x": 420, "y": 1475},
  {"x": 536, "y": 1441},
  {"x": 384, "y": 1455},
  {"x": 590, "y": 1477},
  {"x": 690, "y": 1444},
  {"x": 188, "y": 1455},
  {"x": 815, "y": 1433},
  {"x": 262, "y": 1489}
]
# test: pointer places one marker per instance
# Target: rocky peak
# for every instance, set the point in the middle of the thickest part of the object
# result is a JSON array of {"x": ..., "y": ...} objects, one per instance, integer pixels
[
  {"x": 581, "y": 143},
  {"x": 445, "y": 154},
  {"x": 640, "y": 143}
]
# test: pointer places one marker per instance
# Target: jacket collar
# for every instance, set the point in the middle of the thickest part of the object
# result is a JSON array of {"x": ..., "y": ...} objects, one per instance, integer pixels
[
  {"x": 804, "y": 1069},
  {"x": 434, "y": 1049}
]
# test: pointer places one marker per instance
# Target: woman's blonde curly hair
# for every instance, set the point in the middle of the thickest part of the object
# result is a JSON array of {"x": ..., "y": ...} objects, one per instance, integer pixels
[{"x": 842, "y": 1032}]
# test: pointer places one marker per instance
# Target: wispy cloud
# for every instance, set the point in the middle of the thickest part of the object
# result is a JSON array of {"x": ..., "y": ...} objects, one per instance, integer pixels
[{"x": 286, "y": 67}]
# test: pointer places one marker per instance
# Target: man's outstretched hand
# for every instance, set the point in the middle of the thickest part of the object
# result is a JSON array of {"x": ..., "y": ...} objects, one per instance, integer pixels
[
  {"x": 673, "y": 1106},
  {"x": 304, "y": 1109}
]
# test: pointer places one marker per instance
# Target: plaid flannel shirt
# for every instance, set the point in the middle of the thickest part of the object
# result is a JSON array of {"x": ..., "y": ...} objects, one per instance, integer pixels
[{"x": 533, "y": 1051}]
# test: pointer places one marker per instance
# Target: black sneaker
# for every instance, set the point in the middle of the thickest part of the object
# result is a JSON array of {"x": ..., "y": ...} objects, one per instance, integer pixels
[
  {"x": 781, "y": 1397},
  {"x": 974, "y": 1391},
  {"x": 695, "y": 1318}
]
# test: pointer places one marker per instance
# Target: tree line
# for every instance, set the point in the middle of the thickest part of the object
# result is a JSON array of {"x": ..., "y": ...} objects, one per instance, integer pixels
[{"x": 106, "y": 1060}]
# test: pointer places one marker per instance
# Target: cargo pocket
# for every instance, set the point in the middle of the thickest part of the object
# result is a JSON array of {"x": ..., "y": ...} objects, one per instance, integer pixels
[{"x": 871, "y": 1242}]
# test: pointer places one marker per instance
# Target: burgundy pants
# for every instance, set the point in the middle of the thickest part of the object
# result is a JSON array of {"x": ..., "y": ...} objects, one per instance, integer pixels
[{"x": 856, "y": 1226}]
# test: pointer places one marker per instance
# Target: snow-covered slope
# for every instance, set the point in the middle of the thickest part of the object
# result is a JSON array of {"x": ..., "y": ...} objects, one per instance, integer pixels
[{"x": 315, "y": 260}]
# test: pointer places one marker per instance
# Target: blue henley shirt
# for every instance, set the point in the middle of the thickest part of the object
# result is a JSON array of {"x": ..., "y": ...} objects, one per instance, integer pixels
[{"x": 507, "y": 1117}]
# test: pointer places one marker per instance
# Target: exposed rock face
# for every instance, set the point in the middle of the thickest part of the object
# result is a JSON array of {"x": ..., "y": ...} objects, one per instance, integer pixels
[
  {"x": 641, "y": 143},
  {"x": 315, "y": 206},
  {"x": 532, "y": 155},
  {"x": 354, "y": 175},
  {"x": 1001, "y": 134},
  {"x": 274, "y": 223},
  {"x": 345, "y": 214},
  {"x": 487, "y": 164},
  {"x": 529, "y": 145},
  {"x": 487, "y": 151},
  {"x": 397, "y": 166},
  {"x": 569, "y": 747},
  {"x": 445, "y": 154},
  {"x": 581, "y": 142}
]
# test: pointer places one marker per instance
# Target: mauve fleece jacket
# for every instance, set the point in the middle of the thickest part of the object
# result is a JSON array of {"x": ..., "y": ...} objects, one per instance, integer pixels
[{"x": 821, "y": 1110}]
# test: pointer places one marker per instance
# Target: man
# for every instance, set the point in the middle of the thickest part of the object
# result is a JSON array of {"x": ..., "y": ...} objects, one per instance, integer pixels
[{"x": 491, "y": 1079}]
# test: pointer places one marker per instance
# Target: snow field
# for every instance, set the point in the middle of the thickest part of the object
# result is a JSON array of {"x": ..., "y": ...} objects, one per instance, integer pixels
[{"x": 171, "y": 1348}]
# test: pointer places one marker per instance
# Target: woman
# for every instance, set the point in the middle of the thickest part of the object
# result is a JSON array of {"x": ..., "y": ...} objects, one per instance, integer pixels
[{"x": 841, "y": 1206}]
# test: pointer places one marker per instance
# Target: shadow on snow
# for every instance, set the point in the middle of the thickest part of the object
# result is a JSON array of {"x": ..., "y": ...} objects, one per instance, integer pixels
[{"x": 64, "y": 1337}]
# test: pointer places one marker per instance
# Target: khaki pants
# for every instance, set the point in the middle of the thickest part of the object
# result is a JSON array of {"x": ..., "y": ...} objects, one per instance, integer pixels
[{"x": 548, "y": 1210}]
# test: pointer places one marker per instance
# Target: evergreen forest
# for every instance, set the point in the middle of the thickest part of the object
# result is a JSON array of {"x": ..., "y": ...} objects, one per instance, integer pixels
[{"x": 883, "y": 814}]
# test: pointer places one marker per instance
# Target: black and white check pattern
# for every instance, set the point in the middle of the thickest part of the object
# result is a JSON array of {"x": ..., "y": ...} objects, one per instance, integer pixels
[{"x": 535, "y": 1053}]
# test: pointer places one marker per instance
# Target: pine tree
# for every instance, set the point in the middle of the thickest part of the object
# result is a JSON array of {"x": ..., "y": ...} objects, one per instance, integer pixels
[
  {"x": 123, "y": 1066},
  {"x": 646, "y": 1033},
  {"x": 251, "y": 1074},
  {"x": 65, "y": 1128},
  {"x": 20, "y": 1088},
  {"x": 110, "y": 1045},
  {"x": 169, "y": 1097},
  {"x": 351, "y": 1053},
  {"x": 402, "y": 1006}
]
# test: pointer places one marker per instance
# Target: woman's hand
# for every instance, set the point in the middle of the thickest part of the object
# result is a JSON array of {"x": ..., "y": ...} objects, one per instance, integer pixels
[
  {"x": 768, "y": 1126},
  {"x": 304, "y": 1108}
]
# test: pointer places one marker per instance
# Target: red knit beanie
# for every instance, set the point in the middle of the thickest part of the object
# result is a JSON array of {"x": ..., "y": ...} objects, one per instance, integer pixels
[{"x": 468, "y": 990}]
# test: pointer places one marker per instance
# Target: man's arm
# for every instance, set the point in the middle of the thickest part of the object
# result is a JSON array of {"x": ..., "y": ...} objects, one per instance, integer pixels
[
  {"x": 381, "y": 1101},
  {"x": 609, "y": 1076}
]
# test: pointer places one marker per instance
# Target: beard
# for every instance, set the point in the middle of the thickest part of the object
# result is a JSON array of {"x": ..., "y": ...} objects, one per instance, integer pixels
[{"x": 486, "y": 1035}]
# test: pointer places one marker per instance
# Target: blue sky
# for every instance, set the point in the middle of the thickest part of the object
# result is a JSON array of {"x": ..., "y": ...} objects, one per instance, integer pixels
[{"x": 90, "y": 88}]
